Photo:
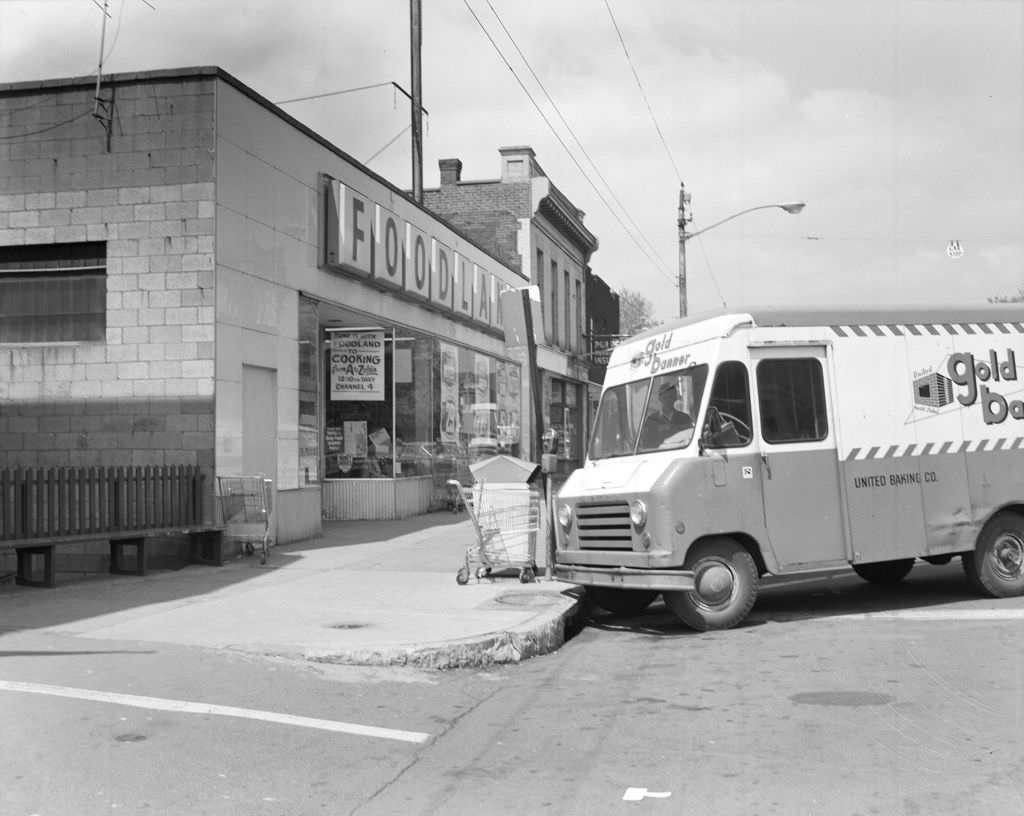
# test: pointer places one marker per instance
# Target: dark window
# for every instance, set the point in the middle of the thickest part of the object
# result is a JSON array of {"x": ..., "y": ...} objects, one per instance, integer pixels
[
  {"x": 53, "y": 293},
  {"x": 727, "y": 424},
  {"x": 554, "y": 304},
  {"x": 566, "y": 300},
  {"x": 791, "y": 395}
]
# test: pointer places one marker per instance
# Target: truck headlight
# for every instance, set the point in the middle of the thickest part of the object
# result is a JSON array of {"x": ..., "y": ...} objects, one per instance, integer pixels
[
  {"x": 638, "y": 513},
  {"x": 564, "y": 514}
]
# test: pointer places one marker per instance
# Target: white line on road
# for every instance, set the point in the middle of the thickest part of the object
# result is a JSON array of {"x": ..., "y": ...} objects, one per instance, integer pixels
[
  {"x": 181, "y": 706},
  {"x": 942, "y": 614}
]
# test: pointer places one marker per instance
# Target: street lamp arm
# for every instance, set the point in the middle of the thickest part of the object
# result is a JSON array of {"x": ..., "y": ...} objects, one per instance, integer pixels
[{"x": 793, "y": 207}]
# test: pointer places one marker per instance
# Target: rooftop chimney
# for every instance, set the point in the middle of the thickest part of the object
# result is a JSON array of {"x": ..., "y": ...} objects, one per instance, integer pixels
[{"x": 451, "y": 171}]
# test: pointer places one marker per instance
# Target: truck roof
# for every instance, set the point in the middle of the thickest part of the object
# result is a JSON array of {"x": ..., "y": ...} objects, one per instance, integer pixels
[{"x": 852, "y": 316}]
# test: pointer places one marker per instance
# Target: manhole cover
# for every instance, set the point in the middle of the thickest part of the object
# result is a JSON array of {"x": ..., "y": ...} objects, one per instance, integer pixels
[
  {"x": 527, "y": 599},
  {"x": 841, "y": 698},
  {"x": 130, "y": 738},
  {"x": 348, "y": 625}
]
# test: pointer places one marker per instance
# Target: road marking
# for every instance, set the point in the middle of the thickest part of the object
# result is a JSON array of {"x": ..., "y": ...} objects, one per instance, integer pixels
[
  {"x": 639, "y": 794},
  {"x": 943, "y": 614},
  {"x": 183, "y": 707}
]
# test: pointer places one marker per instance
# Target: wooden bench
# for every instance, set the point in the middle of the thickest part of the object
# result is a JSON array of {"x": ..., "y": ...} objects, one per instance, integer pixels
[{"x": 44, "y": 509}]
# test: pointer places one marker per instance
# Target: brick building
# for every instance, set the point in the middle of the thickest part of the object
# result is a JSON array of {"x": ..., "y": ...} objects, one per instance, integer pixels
[
  {"x": 525, "y": 221},
  {"x": 187, "y": 274}
]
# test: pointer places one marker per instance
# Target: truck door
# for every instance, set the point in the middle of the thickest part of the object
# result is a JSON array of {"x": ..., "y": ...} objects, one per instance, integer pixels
[{"x": 799, "y": 467}]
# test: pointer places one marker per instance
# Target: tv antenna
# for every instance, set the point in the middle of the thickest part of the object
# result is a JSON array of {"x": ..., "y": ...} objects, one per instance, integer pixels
[{"x": 103, "y": 109}]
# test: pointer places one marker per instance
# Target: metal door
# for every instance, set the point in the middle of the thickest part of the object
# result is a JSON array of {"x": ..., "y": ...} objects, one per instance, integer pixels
[{"x": 799, "y": 468}]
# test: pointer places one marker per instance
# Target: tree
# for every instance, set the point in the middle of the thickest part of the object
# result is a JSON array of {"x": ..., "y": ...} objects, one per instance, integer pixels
[{"x": 636, "y": 313}]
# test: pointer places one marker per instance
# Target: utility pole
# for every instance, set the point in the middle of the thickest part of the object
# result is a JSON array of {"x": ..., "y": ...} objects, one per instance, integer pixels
[
  {"x": 685, "y": 217},
  {"x": 416, "y": 34}
]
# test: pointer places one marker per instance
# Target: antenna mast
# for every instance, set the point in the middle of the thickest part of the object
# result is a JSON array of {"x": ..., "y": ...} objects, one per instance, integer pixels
[{"x": 100, "y": 111}]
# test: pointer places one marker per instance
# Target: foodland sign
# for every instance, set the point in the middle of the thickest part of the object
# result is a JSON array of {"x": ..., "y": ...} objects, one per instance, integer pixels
[{"x": 365, "y": 239}]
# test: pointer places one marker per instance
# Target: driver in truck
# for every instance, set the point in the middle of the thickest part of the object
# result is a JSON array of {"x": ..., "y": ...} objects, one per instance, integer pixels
[{"x": 666, "y": 420}]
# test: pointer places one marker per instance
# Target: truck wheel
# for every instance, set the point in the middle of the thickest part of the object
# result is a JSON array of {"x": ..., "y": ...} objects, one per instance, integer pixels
[
  {"x": 725, "y": 586},
  {"x": 622, "y": 601},
  {"x": 996, "y": 567},
  {"x": 885, "y": 572}
]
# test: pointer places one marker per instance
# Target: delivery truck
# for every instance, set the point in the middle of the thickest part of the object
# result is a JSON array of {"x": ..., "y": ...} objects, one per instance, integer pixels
[{"x": 776, "y": 442}]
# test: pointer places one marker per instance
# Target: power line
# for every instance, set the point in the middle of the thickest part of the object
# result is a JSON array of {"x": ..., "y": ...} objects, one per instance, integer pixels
[
  {"x": 561, "y": 141},
  {"x": 335, "y": 93},
  {"x": 391, "y": 142},
  {"x": 579, "y": 144},
  {"x": 45, "y": 129},
  {"x": 394, "y": 84},
  {"x": 642, "y": 93}
]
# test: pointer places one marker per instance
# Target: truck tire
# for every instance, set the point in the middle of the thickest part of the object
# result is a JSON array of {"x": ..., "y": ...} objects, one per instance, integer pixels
[
  {"x": 885, "y": 572},
  {"x": 725, "y": 586},
  {"x": 996, "y": 567},
  {"x": 622, "y": 601}
]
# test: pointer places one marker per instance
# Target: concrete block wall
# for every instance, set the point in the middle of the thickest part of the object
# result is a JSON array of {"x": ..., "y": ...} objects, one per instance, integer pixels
[{"x": 146, "y": 189}]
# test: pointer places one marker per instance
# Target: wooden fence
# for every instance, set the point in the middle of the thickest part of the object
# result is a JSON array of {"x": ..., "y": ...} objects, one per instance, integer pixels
[{"x": 37, "y": 503}]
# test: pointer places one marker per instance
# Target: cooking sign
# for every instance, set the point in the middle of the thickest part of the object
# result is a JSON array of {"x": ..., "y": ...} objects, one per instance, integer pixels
[{"x": 357, "y": 366}]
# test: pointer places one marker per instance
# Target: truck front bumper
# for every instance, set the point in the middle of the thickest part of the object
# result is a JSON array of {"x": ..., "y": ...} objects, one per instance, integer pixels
[{"x": 625, "y": 577}]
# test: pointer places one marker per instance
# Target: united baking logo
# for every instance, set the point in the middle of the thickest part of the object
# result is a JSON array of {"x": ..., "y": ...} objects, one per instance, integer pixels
[
  {"x": 976, "y": 381},
  {"x": 933, "y": 391}
]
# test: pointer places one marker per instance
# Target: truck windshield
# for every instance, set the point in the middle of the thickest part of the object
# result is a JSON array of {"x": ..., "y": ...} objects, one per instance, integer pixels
[{"x": 652, "y": 414}]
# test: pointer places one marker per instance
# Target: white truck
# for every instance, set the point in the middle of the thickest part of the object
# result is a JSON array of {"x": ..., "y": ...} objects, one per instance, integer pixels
[{"x": 775, "y": 442}]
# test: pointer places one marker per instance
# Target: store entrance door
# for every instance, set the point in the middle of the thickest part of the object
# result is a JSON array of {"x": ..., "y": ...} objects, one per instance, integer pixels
[{"x": 259, "y": 421}]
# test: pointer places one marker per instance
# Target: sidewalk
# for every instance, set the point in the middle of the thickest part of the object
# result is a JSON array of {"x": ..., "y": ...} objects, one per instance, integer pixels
[{"x": 366, "y": 593}]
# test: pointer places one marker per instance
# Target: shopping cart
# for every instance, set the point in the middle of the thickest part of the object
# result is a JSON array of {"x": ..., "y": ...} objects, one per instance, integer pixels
[
  {"x": 506, "y": 522},
  {"x": 247, "y": 508}
]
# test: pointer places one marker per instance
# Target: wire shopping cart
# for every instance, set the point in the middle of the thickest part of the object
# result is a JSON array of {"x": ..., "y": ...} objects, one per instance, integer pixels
[
  {"x": 506, "y": 521},
  {"x": 247, "y": 507}
]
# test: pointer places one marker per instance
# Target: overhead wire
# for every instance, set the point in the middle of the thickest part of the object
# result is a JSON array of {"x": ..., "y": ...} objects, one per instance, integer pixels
[
  {"x": 391, "y": 142},
  {"x": 643, "y": 93},
  {"x": 44, "y": 129},
  {"x": 334, "y": 93},
  {"x": 664, "y": 143},
  {"x": 561, "y": 141},
  {"x": 572, "y": 133}
]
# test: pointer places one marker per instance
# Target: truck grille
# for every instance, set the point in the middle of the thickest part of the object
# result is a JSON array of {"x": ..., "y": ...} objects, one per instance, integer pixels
[{"x": 604, "y": 526}]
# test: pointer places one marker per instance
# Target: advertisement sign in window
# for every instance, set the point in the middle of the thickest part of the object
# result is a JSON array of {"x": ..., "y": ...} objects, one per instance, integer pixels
[
  {"x": 357, "y": 366},
  {"x": 449, "y": 430}
]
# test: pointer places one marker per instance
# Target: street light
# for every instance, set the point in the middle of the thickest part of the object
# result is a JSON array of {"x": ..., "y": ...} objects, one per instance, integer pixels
[{"x": 791, "y": 207}]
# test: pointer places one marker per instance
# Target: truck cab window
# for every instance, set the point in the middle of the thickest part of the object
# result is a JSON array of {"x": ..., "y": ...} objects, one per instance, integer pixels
[
  {"x": 791, "y": 396},
  {"x": 727, "y": 422},
  {"x": 672, "y": 405}
]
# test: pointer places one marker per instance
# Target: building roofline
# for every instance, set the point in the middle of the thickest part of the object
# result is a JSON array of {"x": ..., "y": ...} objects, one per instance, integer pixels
[{"x": 216, "y": 72}]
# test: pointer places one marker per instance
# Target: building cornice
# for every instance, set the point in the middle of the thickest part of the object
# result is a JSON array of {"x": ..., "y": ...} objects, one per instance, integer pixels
[{"x": 559, "y": 210}]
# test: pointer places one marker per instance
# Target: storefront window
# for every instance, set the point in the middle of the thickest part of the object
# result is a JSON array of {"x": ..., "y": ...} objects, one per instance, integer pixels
[
  {"x": 359, "y": 421},
  {"x": 489, "y": 409},
  {"x": 400, "y": 403},
  {"x": 563, "y": 433}
]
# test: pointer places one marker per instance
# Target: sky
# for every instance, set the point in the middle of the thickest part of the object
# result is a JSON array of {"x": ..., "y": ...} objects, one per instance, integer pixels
[{"x": 899, "y": 123}]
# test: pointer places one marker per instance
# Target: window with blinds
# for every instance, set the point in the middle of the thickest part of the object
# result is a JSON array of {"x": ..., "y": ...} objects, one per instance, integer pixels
[{"x": 53, "y": 293}]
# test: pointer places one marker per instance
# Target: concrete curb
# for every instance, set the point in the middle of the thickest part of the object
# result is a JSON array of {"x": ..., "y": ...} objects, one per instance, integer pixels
[{"x": 542, "y": 634}]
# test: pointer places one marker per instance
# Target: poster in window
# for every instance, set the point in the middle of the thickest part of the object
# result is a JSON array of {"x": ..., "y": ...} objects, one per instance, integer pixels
[
  {"x": 333, "y": 438},
  {"x": 449, "y": 430},
  {"x": 482, "y": 364},
  {"x": 355, "y": 439},
  {"x": 357, "y": 366}
]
